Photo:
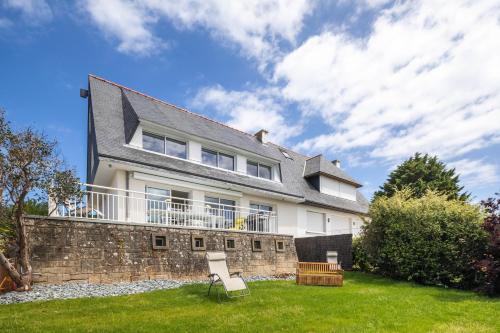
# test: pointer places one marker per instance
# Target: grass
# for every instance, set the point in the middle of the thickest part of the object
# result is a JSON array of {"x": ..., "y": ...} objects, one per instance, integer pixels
[{"x": 364, "y": 304}]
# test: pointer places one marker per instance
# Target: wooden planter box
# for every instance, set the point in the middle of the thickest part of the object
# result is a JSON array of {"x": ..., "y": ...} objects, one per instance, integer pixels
[{"x": 319, "y": 274}]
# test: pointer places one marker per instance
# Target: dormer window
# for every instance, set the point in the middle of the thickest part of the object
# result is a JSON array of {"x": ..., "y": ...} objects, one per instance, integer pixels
[
  {"x": 163, "y": 145},
  {"x": 153, "y": 142},
  {"x": 175, "y": 148},
  {"x": 216, "y": 159},
  {"x": 258, "y": 170}
]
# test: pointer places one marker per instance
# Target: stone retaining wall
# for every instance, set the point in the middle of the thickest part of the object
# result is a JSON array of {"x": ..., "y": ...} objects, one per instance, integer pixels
[{"x": 74, "y": 250}]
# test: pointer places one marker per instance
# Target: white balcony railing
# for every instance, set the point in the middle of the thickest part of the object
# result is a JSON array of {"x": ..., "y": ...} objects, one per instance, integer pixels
[{"x": 113, "y": 204}]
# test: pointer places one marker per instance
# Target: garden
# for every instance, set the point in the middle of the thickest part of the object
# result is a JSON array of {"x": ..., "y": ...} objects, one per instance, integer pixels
[
  {"x": 427, "y": 260},
  {"x": 366, "y": 303}
]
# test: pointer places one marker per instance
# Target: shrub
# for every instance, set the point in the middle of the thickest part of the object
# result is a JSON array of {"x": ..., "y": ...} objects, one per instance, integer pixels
[
  {"x": 429, "y": 240},
  {"x": 489, "y": 265},
  {"x": 361, "y": 261}
]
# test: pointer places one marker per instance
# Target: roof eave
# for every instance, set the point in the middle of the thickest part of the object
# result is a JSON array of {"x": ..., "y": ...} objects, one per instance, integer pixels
[
  {"x": 321, "y": 173},
  {"x": 322, "y": 205}
]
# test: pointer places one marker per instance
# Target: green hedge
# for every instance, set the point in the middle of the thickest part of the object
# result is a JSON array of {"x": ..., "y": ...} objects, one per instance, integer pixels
[{"x": 429, "y": 240}]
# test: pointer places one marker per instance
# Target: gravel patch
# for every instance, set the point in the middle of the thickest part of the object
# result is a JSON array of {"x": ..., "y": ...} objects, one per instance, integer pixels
[{"x": 45, "y": 292}]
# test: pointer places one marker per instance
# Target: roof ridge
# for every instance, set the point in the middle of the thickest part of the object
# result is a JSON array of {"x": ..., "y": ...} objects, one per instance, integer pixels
[
  {"x": 285, "y": 148},
  {"x": 310, "y": 158},
  {"x": 168, "y": 104}
]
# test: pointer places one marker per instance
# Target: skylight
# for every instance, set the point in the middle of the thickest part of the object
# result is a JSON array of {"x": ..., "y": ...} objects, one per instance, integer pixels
[{"x": 286, "y": 154}]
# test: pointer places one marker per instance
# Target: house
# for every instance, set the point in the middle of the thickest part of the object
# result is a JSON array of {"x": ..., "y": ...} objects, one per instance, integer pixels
[{"x": 152, "y": 162}]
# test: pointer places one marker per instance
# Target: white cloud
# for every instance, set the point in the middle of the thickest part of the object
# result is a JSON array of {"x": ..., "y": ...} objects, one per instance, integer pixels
[
  {"x": 476, "y": 174},
  {"x": 249, "y": 111},
  {"x": 425, "y": 79},
  {"x": 127, "y": 21},
  {"x": 256, "y": 26},
  {"x": 33, "y": 11}
]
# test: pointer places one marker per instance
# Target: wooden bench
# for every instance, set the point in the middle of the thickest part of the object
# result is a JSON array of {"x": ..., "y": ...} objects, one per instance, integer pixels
[{"x": 319, "y": 274}]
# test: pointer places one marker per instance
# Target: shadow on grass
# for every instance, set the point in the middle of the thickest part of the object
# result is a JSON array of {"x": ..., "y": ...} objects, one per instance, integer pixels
[
  {"x": 199, "y": 292},
  {"x": 439, "y": 293}
]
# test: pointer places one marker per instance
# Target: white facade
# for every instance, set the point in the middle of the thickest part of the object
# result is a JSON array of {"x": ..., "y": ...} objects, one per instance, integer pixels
[
  {"x": 294, "y": 217},
  {"x": 337, "y": 188}
]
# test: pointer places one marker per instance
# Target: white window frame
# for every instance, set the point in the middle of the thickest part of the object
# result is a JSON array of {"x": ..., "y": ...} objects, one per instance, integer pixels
[
  {"x": 165, "y": 139},
  {"x": 218, "y": 153},
  {"x": 258, "y": 170}
]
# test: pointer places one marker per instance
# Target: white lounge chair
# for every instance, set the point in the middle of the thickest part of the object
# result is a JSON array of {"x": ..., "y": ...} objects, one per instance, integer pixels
[{"x": 234, "y": 285}]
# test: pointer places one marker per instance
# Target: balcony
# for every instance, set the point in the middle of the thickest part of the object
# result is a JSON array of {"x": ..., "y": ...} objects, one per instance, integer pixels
[{"x": 126, "y": 206}]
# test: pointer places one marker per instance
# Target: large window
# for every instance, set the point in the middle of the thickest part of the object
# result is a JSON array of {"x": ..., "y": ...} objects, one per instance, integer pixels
[
  {"x": 223, "y": 208},
  {"x": 259, "y": 217},
  {"x": 157, "y": 202},
  {"x": 217, "y": 159},
  {"x": 258, "y": 170},
  {"x": 163, "y": 145}
]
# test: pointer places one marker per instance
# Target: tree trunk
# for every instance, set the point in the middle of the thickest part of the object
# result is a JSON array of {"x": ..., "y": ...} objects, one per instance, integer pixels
[
  {"x": 24, "y": 255},
  {"x": 24, "y": 278},
  {"x": 14, "y": 275}
]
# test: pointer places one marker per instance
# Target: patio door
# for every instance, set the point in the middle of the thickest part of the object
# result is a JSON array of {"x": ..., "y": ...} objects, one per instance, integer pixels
[
  {"x": 157, "y": 204},
  {"x": 258, "y": 220},
  {"x": 223, "y": 208}
]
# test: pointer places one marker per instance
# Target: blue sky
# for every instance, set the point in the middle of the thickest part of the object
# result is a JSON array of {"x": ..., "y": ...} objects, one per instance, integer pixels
[{"x": 368, "y": 82}]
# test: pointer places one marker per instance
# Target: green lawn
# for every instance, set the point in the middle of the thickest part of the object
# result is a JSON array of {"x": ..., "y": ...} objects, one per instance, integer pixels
[{"x": 364, "y": 304}]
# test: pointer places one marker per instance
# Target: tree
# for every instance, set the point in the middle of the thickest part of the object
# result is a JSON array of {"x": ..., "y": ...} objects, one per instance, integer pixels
[
  {"x": 489, "y": 265},
  {"x": 429, "y": 240},
  {"x": 36, "y": 206},
  {"x": 28, "y": 162},
  {"x": 421, "y": 173}
]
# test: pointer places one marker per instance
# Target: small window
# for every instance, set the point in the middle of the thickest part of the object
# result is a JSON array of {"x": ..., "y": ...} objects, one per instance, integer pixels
[
  {"x": 230, "y": 244},
  {"x": 175, "y": 148},
  {"x": 216, "y": 159},
  {"x": 264, "y": 171},
  {"x": 159, "y": 241},
  {"x": 198, "y": 243},
  {"x": 253, "y": 169},
  {"x": 226, "y": 162},
  {"x": 280, "y": 246},
  {"x": 258, "y": 170},
  {"x": 153, "y": 142},
  {"x": 256, "y": 245},
  {"x": 209, "y": 157}
]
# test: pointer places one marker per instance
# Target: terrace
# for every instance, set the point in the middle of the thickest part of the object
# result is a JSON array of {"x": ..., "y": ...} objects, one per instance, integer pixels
[{"x": 127, "y": 206}]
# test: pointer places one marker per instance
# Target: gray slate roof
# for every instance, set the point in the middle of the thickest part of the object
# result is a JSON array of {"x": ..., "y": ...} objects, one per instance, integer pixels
[
  {"x": 320, "y": 165},
  {"x": 112, "y": 104}
]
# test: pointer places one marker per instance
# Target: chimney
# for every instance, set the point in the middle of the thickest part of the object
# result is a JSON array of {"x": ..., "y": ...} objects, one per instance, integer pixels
[
  {"x": 336, "y": 163},
  {"x": 261, "y": 135}
]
